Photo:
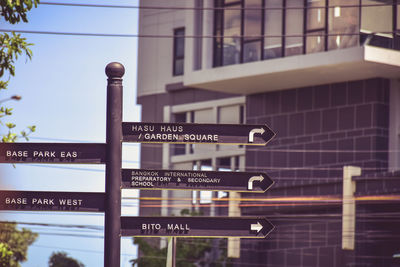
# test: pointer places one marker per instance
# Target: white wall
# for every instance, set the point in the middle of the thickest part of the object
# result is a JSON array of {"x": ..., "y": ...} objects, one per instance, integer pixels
[{"x": 155, "y": 54}]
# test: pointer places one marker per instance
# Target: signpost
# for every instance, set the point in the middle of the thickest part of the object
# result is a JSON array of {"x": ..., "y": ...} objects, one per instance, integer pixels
[
  {"x": 110, "y": 154},
  {"x": 52, "y": 201},
  {"x": 52, "y": 153},
  {"x": 191, "y": 133},
  {"x": 255, "y": 182},
  {"x": 244, "y": 227}
]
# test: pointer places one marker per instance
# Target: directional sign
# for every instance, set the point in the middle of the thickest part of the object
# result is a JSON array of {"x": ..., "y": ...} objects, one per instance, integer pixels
[
  {"x": 196, "y": 180},
  {"x": 52, "y": 201},
  {"x": 52, "y": 153},
  {"x": 240, "y": 134},
  {"x": 245, "y": 227}
]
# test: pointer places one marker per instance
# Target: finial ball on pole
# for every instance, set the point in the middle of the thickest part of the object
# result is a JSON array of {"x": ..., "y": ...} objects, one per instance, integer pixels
[{"x": 115, "y": 70}]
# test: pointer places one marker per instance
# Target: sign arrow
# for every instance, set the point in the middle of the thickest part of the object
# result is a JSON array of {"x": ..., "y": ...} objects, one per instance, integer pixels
[
  {"x": 219, "y": 227},
  {"x": 256, "y": 182},
  {"x": 52, "y": 153},
  {"x": 193, "y": 133},
  {"x": 259, "y": 178},
  {"x": 256, "y": 227},
  {"x": 255, "y": 131}
]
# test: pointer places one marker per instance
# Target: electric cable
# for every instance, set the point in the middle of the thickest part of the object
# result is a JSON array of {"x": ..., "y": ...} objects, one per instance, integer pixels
[{"x": 208, "y": 8}]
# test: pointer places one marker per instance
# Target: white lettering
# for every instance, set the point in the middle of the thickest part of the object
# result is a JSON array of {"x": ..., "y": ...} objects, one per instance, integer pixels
[
  {"x": 144, "y": 128},
  {"x": 18, "y": 153},
  {"x": 177, "y": 227},
  {"x": 44, "y": 201},
  {"x": 70, "y": 202},
  {"x": 151, "y": 226},
  {"x": 69, "y": 154},
  {"x": 171, "y": 128},
  {"x": 201, "y": 137},
  {"x": 18, "y": 200},
  {"x": 44, "y": 154}
]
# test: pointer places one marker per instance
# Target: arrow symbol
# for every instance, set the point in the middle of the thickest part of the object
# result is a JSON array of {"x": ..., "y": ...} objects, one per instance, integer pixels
[
  {"x": 256, "y": 227},
  {"x": 253, "y": 132},
  {"x": 252, "y": 179}
]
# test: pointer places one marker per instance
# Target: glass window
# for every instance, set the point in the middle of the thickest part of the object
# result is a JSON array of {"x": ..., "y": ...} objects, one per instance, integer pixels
[
  {"x": 398, "y": 18},
  {"x": 231, "y": 1},
  {"x": 232, "y": 33},
  {"x": 396, "y": 43},
  {"x": 315, "y": 14},
  {"x": 376, "y": 18},
  {"x": 203, "y": 165},
  {"x": 377, "y": 23},
  {"x": 315, "y": 26},
  {"x": 273, "y": 27},
  {"x": 179, "y": 149},
  {"x": 343, "y": 24},
  {"x": 252, "y": 19},
  {"x": 252, "y": 30},
  {"x": 315, "y": 42},
  {"x": 179, "y": 51},
  {"x": 294, "y": 26},
  {"x": 218, "y": 32},
  {"x": 252, "y": 51}
]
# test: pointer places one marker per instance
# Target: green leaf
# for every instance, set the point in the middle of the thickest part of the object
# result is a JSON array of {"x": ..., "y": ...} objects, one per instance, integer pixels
[
  {"x": 10, "y": 125},
  {"x": 32, "y": 128}
]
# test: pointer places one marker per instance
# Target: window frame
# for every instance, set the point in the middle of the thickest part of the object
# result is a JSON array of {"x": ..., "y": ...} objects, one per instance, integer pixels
[
  {"x": 178, "y": 37},
  {"x": 323, "y": 32}
]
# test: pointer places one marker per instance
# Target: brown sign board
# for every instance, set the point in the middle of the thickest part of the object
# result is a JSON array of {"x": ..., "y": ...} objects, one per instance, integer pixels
[
  {"x": 52, "y": 201},
  {"x": 83, "y": 153},
  {"x": 255, "y": 182},
  {"x": 193, "y": 133},
  {"x": 244, "y": 227}
]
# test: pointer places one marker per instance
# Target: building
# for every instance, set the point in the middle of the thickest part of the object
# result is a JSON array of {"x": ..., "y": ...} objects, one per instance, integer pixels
[{"x": 323, "y": 74}]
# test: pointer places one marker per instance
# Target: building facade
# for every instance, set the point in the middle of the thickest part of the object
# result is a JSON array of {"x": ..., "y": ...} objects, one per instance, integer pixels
[{"x": 322, "y": 74}]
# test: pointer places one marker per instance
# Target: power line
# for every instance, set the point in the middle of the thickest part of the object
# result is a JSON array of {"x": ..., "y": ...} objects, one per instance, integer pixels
[
  {"x": 72, "y": 33},
  {"x": 79, "y": 250},
  {"x": 172, "y": 7},
  {"x": 189, "y": 36}
]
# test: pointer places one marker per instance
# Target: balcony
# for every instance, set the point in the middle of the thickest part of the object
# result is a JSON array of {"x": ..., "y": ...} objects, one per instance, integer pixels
[{"x": 355, "y": 63}]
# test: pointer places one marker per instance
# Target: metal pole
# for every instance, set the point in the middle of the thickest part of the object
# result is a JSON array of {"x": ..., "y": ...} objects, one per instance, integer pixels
[
  {"x": 112, "y": 225},
  {"x": 173, "y": 251}
]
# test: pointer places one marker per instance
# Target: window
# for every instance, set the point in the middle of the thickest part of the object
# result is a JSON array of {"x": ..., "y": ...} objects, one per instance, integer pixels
[
  {"x": 377, "y": 23},
  {"x": 273, "y": 27},
  {"x": 315, "y": 26},
  {"x": 179, "y": 51},
  {"x": 204, "y": 157},
  {"x": 343, "y": 21},
  {"x": 294, "y": 27},
  {"x": 232, "y": 30},
  {"x": 253, "y": 30}
]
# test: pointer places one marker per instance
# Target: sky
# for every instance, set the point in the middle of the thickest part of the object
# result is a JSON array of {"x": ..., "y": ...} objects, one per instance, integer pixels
[{"x": 63, "y": 91}]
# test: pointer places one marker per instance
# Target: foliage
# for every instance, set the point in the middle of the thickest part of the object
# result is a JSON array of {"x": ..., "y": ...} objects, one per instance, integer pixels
[
  {"x": 61, "y": 259},
  {"x": 14, "y": 11},
  {"x": 15, "y": 241},
  {"x": 5, "y": 255},
  {"x": 190, "y": 252},
  {"x": 153, "y": 256},
  {"x": 11, "y": 47}
]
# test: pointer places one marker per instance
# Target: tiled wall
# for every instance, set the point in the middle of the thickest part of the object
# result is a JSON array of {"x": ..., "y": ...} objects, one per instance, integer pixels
[
  {"x": 322, "y": 128},
  {"x": 347, "y": 120}
]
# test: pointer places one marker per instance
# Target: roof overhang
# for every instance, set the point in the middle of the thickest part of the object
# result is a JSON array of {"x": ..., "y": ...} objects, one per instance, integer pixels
[{"x": 349, "y": 64}]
